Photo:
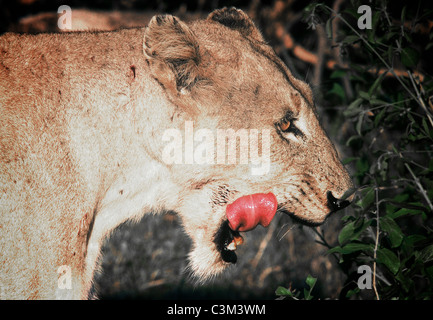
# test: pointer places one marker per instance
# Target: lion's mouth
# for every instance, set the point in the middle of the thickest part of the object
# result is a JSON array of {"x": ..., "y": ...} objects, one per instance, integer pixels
[
  {"x": 247, "y": 212},
  {"x": 244, "y": 214},
  {"x": 226, "y": 241},
  {"x": 333, "y": 206},
  {"x": 297, "y": 219}
]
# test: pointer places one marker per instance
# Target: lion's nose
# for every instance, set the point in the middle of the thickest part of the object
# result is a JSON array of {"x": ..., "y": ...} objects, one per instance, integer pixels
[{"x": 335, "y": 204}]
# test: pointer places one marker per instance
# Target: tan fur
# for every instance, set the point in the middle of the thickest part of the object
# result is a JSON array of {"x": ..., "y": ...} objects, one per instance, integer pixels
[{"x": 81, "y": 121}]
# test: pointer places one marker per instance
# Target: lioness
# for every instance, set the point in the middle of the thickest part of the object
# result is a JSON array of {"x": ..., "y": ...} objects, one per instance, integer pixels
[{"x": 83, "y": 116}]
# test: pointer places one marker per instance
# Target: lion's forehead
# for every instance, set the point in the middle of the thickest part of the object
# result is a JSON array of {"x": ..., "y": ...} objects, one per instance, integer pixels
[{"x": 257, "y": 75}]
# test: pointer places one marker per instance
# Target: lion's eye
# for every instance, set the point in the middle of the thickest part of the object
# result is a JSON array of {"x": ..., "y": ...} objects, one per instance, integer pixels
[{"x": 285, "y": 125}]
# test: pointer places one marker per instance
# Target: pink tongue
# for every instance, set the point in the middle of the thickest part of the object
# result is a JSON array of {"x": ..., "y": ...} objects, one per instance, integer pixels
[{"x": 246, "y": 212}]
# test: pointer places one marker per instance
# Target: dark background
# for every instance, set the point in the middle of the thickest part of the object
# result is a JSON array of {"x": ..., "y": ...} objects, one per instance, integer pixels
[{"x": 148, "y": 259}]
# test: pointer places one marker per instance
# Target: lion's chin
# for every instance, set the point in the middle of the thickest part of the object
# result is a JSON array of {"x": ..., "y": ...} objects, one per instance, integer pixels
[
  {"x": 205, "y": 263},
  {"x": 210, "y": 258}
]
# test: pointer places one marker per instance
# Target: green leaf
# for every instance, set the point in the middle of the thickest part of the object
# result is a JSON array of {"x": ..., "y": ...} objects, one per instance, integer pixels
[
  {"x": 394, "y": 232},
  {"x": 405, "y": 282},
  {"x": 352, "y": 247},
  {"x": 346, "y": 233},
  {"x": 281, "y": 291},
  {"x": 348, "y": 218},
  {"x": 311, "y": 281},
  {"x": 402, "y": 197},
  {"x": 425, "y": 126},
  {"x": 403, "y": 15},
  {"x": 426, "y": 254},
  {"x": 429, "y": 45},
  {"x": 351, "y": 159},
  {"x": 350, "y": 39},
  {"x": 338, "y": 74},
  {"x": 364, "y": 95},
  {"x": 352, "y": 230},
  {"x": 328, "y": 28},
  {"x": 389, "y": 259},
  {"x": 390, "y": 54},
  {"x": 409, "y": 57},
  {"x": 403, "y": 212},
  {"x": 367, "y": 199},
  {"x": 376, "y": 84},
  {"x": 309, "y": 8},
  {"x": 377, "y": 102},
  {"x": 371, "y": 36},
  {"x": 351, "y": 11},
  {"x": 379, "y": 117},
  {"x": 359, "y": 124},
  {"x": 355, "y": 140},
  {"x": 353, "y": 109},
  {"x": 352, "y": 292},
  {"x": 338, "y": 90},
  {"x": 376, "y": 19}
]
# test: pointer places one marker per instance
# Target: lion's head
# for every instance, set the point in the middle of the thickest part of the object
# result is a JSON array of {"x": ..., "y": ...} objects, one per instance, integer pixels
[{"x": 230, "y": 94}]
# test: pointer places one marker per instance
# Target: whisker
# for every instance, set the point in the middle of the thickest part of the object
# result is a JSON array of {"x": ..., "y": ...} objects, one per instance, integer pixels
[{"x": 285, "y": 233}]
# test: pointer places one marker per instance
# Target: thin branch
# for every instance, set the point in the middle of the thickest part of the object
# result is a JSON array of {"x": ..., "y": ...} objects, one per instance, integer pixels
[
  {"x": 321, "y": 48},
  {"x": 336, "y": 51},
  {"x": 263, "y": 245},
  {"x": 420, "y": 187},
  {"x": 419, "y": 99},
  {"x": 376, "y": 244},
  {"x": 323, "y": 242},
  {"x": 288, "y": 43},
  {"x": 387, "y": 66}
]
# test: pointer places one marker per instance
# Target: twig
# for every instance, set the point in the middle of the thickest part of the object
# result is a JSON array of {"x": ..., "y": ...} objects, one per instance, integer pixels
[
  {"x": 420, "y": 100},
  {"x": 336, "y": 51},
  {"x": 267, "y": 271},
  {"x": 154, "y": 283},
  {"x": 288, "y": 43},
  {"x": 376, "y": 244},
  {"x": 387, "y": 66},
  {"x": 321, "y": 48},
  {"x": 323, "y": 242},
  {"x": 263, "y": 245},
  {"x": 322, "y": 238},
  {"x": 419, "y": 185},
  {"x": 418, "y": 96},
  {"x": 285, "y": 233}
]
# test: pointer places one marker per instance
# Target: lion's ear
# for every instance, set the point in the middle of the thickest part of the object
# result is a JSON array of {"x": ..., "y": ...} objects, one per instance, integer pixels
[
  {"x": 172, "y": 51},
  {"x": 238, "y": 20}
]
